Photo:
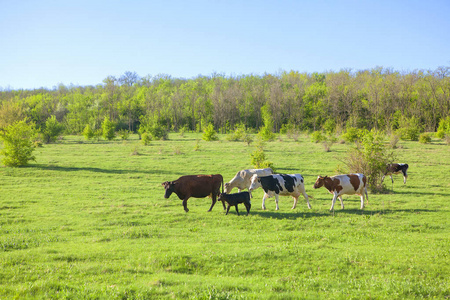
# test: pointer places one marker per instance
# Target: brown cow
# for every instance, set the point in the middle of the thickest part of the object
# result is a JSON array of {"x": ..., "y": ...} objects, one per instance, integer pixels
[
  {"x": 344, "y": 184},
  {"x": 197, "y": 186}
]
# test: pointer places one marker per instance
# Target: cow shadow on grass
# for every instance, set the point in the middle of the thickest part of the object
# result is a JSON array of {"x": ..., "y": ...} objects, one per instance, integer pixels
[
  {"x": 307, "y": 215},
  {"x": 98, "y": 170}
]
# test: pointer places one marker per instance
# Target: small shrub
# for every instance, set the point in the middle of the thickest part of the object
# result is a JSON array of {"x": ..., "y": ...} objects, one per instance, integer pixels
[
  {"x": 108, "y": 129},
  {"x": 370, "y": 157},
  {"x": 440, "y": 134},
  {"x": 238, "y": 134},
  {"x": 393, "y": 141},
  {"x": 317, "y": 137},
  {"x": 146, "y": 138},
  {"x": 258, "y": 158},
  {"x": 248, "y": 139},
  {"x": 351, "y": 135},
  {"x": 18, "y": 144},
  {"x": 447, "y": 139},
  {"x": 409, "y": 129},
  {"x": 88, "y": 133},
  {"x": 124, "y": 134},
  {"x": 197, "y": 145},
  {"x": 209, "y": 134},
  {"x": 425, "y": 138},
  {"x": 52, "y": 130}
]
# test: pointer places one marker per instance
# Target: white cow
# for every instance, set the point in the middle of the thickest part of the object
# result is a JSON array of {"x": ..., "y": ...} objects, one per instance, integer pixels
[
  {"x": 280, "y": 184},
  {"x": 242, "y": 180}
]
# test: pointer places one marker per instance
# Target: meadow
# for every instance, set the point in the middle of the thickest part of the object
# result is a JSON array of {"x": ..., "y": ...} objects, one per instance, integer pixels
[{"x": 88, "y": 220}]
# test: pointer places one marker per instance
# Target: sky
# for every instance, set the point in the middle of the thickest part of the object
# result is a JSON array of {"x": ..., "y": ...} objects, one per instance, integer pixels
[{"x": 46, "y": 43}]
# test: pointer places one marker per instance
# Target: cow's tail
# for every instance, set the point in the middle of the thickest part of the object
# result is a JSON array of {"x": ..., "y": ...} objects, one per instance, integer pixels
[{"x": 222, "y": 185}]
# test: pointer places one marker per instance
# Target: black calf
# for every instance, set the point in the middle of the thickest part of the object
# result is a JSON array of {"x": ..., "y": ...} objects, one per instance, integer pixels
[{"x": 235, "y": 199}]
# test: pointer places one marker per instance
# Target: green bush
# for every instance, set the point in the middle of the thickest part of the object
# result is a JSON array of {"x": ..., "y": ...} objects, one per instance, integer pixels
[
  {"x": 124, "y": 134},
  {"x": 351, "y": 135},
  {"x": 109, "y": 129},
  {"x": 209, "y": 134},
  {"x": 238, "y": 135},
  {"x": 370, "y": 157},
  {"x": 146, "y": 138},
  {"x": 409, "y": 129},
  {"x": 88, "y": 133},
  {"x": 317, "y": 137},
  {"x": 18, "y": 144},
  {"x": 443, "y": 128},
  {"x": 52, "y": 130},
  {"x": 258, "y": 158},
  {"x": 425, "y": 138}
]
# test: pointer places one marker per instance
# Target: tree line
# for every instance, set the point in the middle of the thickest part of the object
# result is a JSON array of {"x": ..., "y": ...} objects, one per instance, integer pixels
[{"x": 379, "y": 98}]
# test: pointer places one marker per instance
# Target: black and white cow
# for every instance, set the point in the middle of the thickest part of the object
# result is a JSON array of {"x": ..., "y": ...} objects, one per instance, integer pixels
[
  {"x": 280, "y": 184},
  {"x": 396, "y": 169}
]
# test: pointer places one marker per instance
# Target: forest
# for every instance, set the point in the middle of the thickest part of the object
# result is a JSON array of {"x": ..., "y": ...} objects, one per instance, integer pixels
[{"x": 379, "y": 98}]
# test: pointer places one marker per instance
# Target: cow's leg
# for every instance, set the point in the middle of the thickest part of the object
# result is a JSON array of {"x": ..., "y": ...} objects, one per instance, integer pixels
[
  {"x": 264, "y": 201},
  {"x": 295, "y": 202},
  {"x": 333, "y": 201},
  {"x": 248, "y": 206},
  {"x": 214, "y": 202},
  {"x": 237, "y": 210},
  {"x": 392, "y": 179},
  {"x": 362, "y": 200},
  {"x": 307, "y": 198},
  {"x": 276, "y": 201},
  {"x": 382, "y": 178},
  {"x": 342, "y": 202},
  {"x": 185, "y": 204},
  {"x": 404, "y": 177},
  {"x": 228, "y": 209}
]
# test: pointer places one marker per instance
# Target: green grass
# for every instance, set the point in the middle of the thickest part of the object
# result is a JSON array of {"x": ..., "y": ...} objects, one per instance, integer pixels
[{"x": 89, "y": 220}]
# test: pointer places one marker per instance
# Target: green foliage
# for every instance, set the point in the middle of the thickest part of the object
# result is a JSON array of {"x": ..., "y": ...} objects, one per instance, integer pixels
[
  {"x": 18, "y": 144},
  {"x": 88, "y": 133},
  {"x": 353, "y": 134},
  {"x": 154, "y": 127},
  {"x": 124, "y": 134},
  {"x": 409, "y": 128},
  {"x": 329, "y": 126},
  {"x": 369, "y": 157},
  {"x": 318, "y": 136},
  {"x": 209, "y": 134},
  {"x": 265, "y": 132},
  {"x": 146, "y": 138},
  {"x": 425, "y": 138},
  {"x": 258, "y": 158},
  {"x": 443, "y": 128},
  {"x": 109, "y": 129},
  {"x": 239, "y": 134},
  {"x": 52, "y": 130}
]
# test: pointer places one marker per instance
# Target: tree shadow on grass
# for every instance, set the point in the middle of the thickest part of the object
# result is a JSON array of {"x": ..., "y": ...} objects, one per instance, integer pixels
[{"x": 98, "y": 170}]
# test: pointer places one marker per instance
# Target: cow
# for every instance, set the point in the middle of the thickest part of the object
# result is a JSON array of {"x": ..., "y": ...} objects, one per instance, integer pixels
[
  {"x": 396, "y": 169},
  {"x": 197, "y": 186},
  {"x": 280, "y": 184},
  {"x": 242, "y": 180},
  {"x": 344, "y": 184},
  {"x": 235, "y": 199}
]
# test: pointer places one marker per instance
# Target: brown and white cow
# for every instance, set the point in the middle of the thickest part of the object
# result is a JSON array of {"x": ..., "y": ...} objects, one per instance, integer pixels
[
  {"x": 243, "y": 179},
  {"x": 197, "y": 186},
  {"x": 396, "y": 169},
  {"x": 344, "y": 184}
]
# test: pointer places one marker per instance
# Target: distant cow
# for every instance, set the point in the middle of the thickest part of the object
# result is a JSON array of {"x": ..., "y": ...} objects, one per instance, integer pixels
[
  {"x": 242, "y": 180},
  {"x": 344, "y": 184},
  {"x": 280, "y": 184},
  {"x": 197, "y": 186},
  {"x": 396, "y": 169},
  {"x": 235, "y": 199}
]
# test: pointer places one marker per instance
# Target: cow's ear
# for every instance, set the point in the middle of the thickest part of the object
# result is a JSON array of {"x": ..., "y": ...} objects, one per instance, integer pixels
[{"x": 164, "y": 183}]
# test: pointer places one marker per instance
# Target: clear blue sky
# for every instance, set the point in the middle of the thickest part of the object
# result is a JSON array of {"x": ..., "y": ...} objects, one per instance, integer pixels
[{"x": 45, "y": 43}]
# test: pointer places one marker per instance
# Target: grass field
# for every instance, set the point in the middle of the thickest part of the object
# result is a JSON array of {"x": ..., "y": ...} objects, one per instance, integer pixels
[{"x": 88, "y": 220}]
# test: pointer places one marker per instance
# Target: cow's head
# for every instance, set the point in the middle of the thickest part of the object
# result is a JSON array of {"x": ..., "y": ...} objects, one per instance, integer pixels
[
  {"x": 320, "y": 182},
  {"x": 221, "y": 197},
  {"x": 226, "y": 186},
  {"x": 255, "y": 183},
  {"x": 169, "y": 186}
]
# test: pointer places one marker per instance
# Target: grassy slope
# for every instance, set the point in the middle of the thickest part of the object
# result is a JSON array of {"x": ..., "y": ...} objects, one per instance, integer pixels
[{"x": 89, "y": 219}]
